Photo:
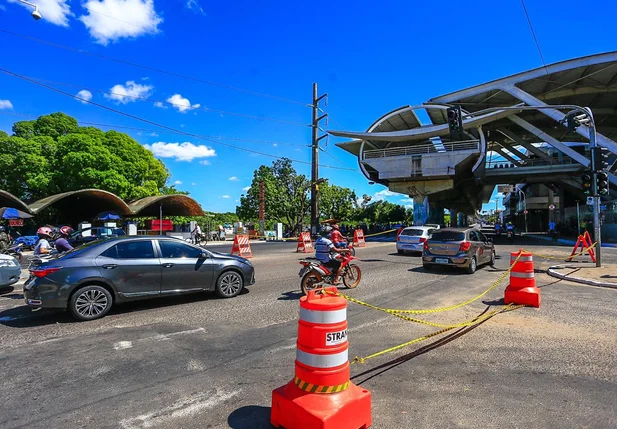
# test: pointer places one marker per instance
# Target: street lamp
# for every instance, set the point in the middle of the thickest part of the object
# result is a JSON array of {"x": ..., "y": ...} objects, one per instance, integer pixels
[
  {"x": 524, "y": 205},
  {"x": 35, "y": 13}
]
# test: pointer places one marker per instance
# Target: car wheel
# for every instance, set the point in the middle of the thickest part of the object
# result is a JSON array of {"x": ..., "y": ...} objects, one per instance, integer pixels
[
  {"x": 229, "y": 284},
  {"x": 493, "y": 257},
  {"x": 473, "y": 266},
  {"x": 90, "y": 302},
  {"x": 401, "y": 252}
]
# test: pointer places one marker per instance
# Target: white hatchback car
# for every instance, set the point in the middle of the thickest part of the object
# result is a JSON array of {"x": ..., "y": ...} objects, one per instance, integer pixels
[
  {"x": 412, "y": 239},
  {"x": 10, "y": 270}
]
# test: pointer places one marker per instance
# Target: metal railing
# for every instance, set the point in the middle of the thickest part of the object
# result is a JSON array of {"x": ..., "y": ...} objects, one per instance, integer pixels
[
  {"x": 422, "y": 149},
  {"x": 536, "y": 162}
]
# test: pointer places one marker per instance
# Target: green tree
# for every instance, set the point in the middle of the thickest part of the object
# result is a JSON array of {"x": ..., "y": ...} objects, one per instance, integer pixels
[
  {"x": 286, "y": 195},
  {"x": 337, "y": 202}
]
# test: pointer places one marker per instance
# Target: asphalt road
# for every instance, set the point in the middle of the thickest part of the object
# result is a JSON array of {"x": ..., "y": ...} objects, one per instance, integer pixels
[{"x": 202, "y": 362}]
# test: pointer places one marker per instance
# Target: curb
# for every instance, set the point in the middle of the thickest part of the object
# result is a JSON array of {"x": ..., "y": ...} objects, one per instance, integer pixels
[
  {"x": 564, "y": 241},
  {"x": 551, "y": 272}
]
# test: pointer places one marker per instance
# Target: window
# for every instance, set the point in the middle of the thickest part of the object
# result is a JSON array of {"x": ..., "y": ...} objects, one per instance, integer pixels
[
  {"x": 444, "y": 236},
  {"x": 174, "y": 249},
  {"x": 482, "y": 237},
  {"x": 473, "y": 236},
  {"x": 412, "y": 232},
  {"x": 131, "y": 250}
]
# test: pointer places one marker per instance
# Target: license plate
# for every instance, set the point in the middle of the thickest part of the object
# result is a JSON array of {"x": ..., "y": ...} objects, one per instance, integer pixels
[{"x": 442, "y": 260}]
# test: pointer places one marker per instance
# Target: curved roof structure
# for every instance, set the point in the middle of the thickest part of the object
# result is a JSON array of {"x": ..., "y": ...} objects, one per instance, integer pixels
[
  {"x": 90, "y": 200},
  {"x": 178, "y": 204},
  {"x": 9, "y": 200}
]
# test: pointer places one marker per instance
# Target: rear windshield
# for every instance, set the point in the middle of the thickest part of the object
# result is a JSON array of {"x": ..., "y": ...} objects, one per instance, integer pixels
[
  {"x": 448, "y": 236},
  {"x": 412, "y": 232}
]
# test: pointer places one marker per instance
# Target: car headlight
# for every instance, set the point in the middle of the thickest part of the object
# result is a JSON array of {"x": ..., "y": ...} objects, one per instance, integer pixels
[{"x": 8, "y": 263}]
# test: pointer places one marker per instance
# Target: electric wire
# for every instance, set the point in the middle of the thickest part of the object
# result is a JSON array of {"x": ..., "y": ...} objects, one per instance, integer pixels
[
  {"x": 151, "y": 130},
  {"x": 147, "y": 121},
  {"x": 533, "y": 33},
  {"x": 154, "y": 69}
]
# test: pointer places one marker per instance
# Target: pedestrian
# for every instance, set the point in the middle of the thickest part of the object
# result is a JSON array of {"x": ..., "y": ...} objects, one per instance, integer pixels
[
  {"x": 4, "y": 238},
  {"x": 197, "y": 234},
  {"x": 551, "y": 230}
]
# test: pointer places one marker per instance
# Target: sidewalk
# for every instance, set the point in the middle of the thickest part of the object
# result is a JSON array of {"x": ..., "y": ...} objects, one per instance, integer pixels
[
  {"x": 568, "y": 241},
  {"x": 605, "y": 276}
]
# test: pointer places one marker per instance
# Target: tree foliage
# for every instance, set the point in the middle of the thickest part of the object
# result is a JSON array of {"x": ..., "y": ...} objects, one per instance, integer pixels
[
  {"x": 53, "y": 154},
  {"x": 286, "y": 195},
  {"x": 337, "y": 202},
  {"x": 384, "y": 212}
]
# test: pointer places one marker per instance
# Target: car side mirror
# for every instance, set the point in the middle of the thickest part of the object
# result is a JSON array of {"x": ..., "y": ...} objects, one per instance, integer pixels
[{"x": 203, "y": 255}]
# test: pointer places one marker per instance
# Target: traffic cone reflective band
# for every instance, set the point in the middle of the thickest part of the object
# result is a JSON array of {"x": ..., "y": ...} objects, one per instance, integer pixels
[
  {"x": 522, "y": 288},
  {"x": 358, "y": 238},
  {"x": 304, "y": 243},
  {"x": 321, "y": 394},
  {"x": 242, "y": 246}
]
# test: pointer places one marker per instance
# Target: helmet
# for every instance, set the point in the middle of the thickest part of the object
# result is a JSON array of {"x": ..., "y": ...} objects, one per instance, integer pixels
[
  {"x": 325, "y": 230},
  {"x": 44, "y": 231},
  {"x": 66, "y": 231}
]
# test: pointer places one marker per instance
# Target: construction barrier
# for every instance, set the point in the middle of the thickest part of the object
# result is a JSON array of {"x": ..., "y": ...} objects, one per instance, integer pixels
[
  {"x": 358, "y": 238},
  {"x": 584, "y": 242},
  {"x": 304, "y": 243},
  {"x": 321, "y": 395},
  {"x": 522, "y": 288},
  {"x": 242, "y": 246}
]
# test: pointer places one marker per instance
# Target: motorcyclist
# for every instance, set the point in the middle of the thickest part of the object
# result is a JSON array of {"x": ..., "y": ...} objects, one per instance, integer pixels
[
  {"x": 62, "y": 243},
  {"x": 42, "y": 246},
  {"x": 326, "y": 252},
  {"x": 4, "y": 238}
]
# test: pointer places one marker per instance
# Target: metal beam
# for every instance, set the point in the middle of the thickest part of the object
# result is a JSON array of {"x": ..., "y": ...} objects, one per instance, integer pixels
[
  {"x": 559, "y": 116},
  {"x": 550, "y": 140},
  {"x": 510, "y": 148},
  {"x": 530, "y": 147},
  {"x": 507, "y": 156}
]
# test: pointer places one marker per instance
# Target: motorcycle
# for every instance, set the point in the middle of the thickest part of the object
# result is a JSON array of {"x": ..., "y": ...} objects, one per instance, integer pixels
[
  {"x": 347, "y": 245},
  {"x": 14, "y": 250},
  {"x": 314, "y": 273},
  {"x": 510, "y": 235}
]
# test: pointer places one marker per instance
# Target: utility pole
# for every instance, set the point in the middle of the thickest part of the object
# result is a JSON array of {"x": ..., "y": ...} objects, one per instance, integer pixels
[
  {"x": 262, "y": 195},
  {"x": 315, "y": 158},
  {"x": 594, "y": 191}
]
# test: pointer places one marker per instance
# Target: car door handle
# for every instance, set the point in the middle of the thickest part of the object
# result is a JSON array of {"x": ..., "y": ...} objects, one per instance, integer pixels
[
  {"x": 168, "y": 265},
  {"x": 109, "y": 266}
]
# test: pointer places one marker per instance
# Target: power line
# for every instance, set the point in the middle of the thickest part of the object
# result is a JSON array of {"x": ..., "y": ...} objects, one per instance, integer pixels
[
  {"x": 197, "y": 136},
  {"x": 205, "y": 109},
  {"x": 533, "y": 33},
  {"x": 151, "y": 130},
  {"x": 337, "y": 159},
  {"x": 154, "y": 69}
]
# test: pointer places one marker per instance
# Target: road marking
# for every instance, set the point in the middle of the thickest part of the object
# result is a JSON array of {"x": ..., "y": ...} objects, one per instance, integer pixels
[
  {"x": 184, "y": 407},
  {"x": 279, "y": 349},
  {"x": 195, "y": 365},
  {"x": 367, "y": 324},
  {"x": 121, "y": 345}
]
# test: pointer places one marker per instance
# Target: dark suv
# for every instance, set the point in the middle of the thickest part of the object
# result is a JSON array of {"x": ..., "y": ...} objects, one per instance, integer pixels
[{"x": 90, "y": 278}]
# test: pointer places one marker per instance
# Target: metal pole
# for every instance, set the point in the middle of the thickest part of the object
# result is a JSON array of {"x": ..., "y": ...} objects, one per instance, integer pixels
[
  {"x": 578, "y": 217},
  {"x": 594, "y": 191},
  {"x": 262, "y": 195},
  {"x": 315, "y": 164},
  {"x": 161, "y": 220}
]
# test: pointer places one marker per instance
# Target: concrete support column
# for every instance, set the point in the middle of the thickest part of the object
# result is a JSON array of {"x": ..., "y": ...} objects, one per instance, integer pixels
[
  {"x": 420, "y": 210},
  {"x": 436, "y": 215},
  {"x": 453, "y": 218}
]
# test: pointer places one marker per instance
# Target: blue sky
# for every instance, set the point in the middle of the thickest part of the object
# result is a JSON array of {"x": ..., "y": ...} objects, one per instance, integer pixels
[{"x": 369, "y": 59}]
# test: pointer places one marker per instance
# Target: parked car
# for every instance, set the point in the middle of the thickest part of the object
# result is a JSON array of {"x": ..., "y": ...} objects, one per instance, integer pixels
[
  {"x": 412, "y": 239},
  {"x": 94, "y": 233},
  {"x": 90, "y": 279},
  {"x": 464, "y": 248},
  {"x": 10, "y": 270}
]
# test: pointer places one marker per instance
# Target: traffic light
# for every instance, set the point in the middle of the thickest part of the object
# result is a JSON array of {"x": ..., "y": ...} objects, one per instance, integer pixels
[
  {"x": 455, "y": 122},
  {"x": 602, "y": 183},
  {"x": 600, "y": 158},
  {"x": 587, "y": 178},
  {"x": 572, "y": 121}
]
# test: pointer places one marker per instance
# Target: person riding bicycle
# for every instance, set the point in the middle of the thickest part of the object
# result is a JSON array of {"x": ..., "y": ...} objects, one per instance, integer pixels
[
  {"x": 62, "y": 243},
  {"x": 337, "y": 238},
  {"x": 42, "y": 246},
  {"x": 326, "y": 252}
]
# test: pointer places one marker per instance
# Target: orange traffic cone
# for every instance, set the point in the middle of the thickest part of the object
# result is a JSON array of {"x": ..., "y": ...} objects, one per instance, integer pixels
[
  {"x": 522, "y": 288},
  {"x": 321, "y": 395}
]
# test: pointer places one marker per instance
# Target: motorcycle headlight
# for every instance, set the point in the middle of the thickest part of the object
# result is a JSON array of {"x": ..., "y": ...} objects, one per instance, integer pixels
[{"x": 8, "y": 263}]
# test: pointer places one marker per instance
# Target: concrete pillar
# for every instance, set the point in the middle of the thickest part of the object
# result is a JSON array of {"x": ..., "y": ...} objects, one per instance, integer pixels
[
  {"x": 453, "y": 218},
  {"x": 436, "y": 214},
  {"x": 420, "y": 210}
]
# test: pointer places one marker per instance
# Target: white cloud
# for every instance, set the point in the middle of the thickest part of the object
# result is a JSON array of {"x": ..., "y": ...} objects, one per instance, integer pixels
[
  {"x": 234, "y": 179},
  {"x": 204, "y": 162},
  {"x": 226, "y": 196},
  {"x": 160, "y": 105},
  {"x": 246, "y": 188},
  {"x": 180, "y": 151},
  {"x": 181, "y": 103},
  {"x": 275, "y": 144},
  {"x": 6, "y": 104},
  {"x": 195, "y": 6},
  {"x": 111, "y": 20},
  {"x": 407, "y": 200},
  {"x": 153, "y": 134},
  {"x": 382, "y": 195},
  {"x": 193, "y": 184},
  {"x": 178, "y": 182},
  {"x": 55, "y": 11},
  {"x": 131, "y": 92},
  {"x": 85, "y": 94}
]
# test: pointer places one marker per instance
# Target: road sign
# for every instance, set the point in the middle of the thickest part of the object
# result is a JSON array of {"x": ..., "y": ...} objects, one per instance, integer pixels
[
  {"x": 590, "y": 201},
  {"x": 16, "y": 222},
  {"x": 505, "y": 189},
  {"x": 551, "y": 207},
  {"x": 525, "y": 212}
]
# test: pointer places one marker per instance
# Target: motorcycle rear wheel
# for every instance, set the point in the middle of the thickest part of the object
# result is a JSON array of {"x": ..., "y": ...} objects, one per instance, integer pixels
[
  {"x": 351, "y": 276},
  {"x": 309, "y": 282}
]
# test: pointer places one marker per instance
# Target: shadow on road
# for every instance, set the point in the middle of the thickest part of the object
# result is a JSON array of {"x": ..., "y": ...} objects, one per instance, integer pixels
[
  {"x": 291, "y": 295},
  {"x": 6, "y": 290},
  {"x": 250, "y": 417},
  {"x": 390, "y": 262}
]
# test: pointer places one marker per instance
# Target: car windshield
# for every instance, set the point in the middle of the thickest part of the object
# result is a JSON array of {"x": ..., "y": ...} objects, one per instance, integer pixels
[
  {"x": 412, "y": 232},
  {"x": 448, "y": 236}
]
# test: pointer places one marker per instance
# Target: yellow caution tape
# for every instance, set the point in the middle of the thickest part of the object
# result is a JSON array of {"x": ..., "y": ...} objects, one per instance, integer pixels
[
  {"x": 478, "y": 320},
  {"x": 380, "y": 233}
]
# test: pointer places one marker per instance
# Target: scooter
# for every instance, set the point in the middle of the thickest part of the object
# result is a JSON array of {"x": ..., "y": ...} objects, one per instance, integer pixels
[
  {"x": 510, "y": 235},
  {"x": 314, "y": 274}
]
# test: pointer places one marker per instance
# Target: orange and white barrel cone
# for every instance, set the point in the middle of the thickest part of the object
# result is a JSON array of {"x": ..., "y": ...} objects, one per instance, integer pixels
[
  {"x": 321, "y": 395},
  {"x": 522, "y": 288}
]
